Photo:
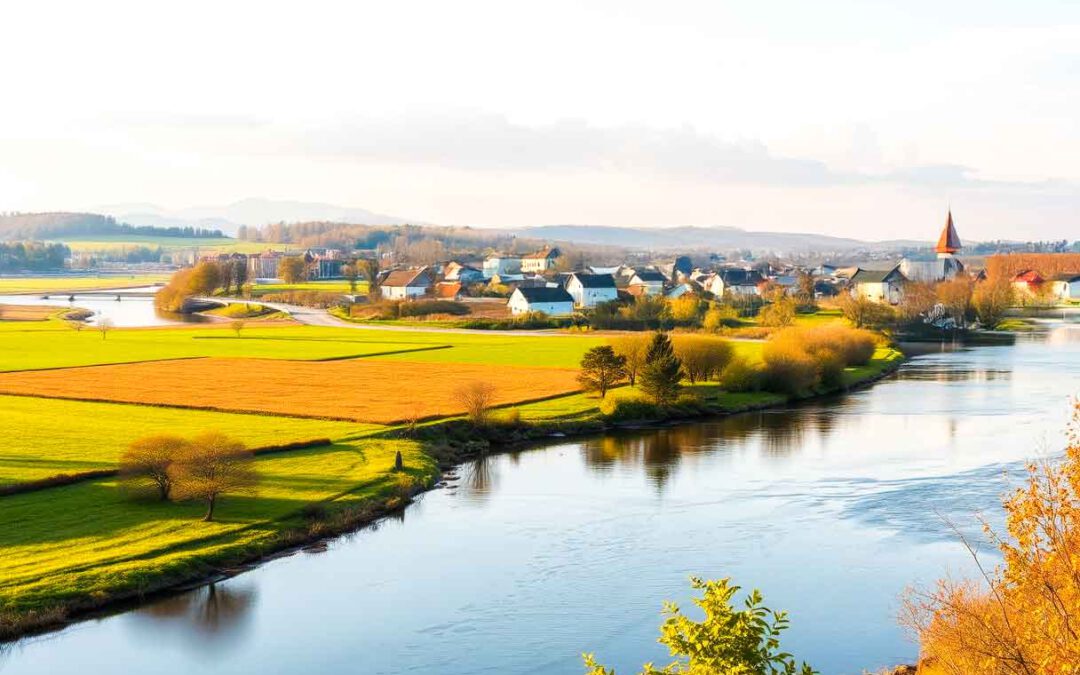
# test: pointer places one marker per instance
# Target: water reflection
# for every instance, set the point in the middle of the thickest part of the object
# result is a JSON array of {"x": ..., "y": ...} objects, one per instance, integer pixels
[{"x": 214, "y": 618}]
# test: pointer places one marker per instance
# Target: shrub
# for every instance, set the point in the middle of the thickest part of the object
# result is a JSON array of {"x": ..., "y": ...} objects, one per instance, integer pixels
[
  {"x": 477, "y": 397},
  {"x": 798, "y": 359},
  {"x": 630, "y": 410},
  {"x": 740, "y": 376},
  {"x": 720, "y": 316},
  {"x": 702, "y": 357},
  {"x": 726, "y": 640},
  {"x": 779, "y": 313}
]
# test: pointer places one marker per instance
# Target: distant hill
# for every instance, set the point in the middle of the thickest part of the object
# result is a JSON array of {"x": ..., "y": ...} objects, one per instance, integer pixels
[
  {"x": 713, "y": 238},
  {"x": 251, "y": 212},
  {"x": 71, "y": 225}
]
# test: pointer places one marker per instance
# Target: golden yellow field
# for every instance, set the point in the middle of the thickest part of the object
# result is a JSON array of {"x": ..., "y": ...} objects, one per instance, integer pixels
[{"x": 357, "y": 389}]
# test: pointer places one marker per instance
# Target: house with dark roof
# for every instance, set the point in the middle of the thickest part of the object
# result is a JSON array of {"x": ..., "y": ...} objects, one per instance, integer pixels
[
  {"x": 550, "y": 300},
  {"x": 1066, "y": 286},
  {"x": 407, "y": 284},
  {"x": 589, "y": 290},
  {"x": 883, "y": 286},
  {"x": 734, "y": 280},
  {"x": 646, "y": 282}
]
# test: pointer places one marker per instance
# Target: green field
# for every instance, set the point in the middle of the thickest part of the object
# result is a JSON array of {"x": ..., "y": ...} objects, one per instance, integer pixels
[
  {"x": 46, "y": 437},
  {"x": 26, "y": 285},
  {"x": 53, "y": 345},
  {"x": 88, "y": 540}
]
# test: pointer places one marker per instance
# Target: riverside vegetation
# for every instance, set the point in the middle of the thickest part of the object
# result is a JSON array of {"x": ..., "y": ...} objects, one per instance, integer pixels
[{"x": 90, "y": 534}]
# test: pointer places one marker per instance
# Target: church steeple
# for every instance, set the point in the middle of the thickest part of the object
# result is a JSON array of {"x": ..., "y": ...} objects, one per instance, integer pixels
[{"x": 949, "y": 242}]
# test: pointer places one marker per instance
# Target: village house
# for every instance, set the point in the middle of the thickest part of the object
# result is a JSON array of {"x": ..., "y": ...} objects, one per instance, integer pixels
[
  {"x": 646, "y": 282},
  {"x": 407, "y": 284},
  {"x": 1028, "y": 283},
  {"x": 264, "y": 265},
  {"x": 455, "y": 271},
  {"x": 883, "y": 286},
  {"x": 539, "y": 262},
  {"x": 550, "y": 301},
  {"x": 589, "y": 290},
  {"x": 735, "y": 281},
  {"x": 499, "y": 265},
  {"x": 1066, "y": 286}
]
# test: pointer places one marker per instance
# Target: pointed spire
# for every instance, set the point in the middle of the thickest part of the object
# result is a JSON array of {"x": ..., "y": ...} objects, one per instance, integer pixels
[{"x": 949, "y": 242}]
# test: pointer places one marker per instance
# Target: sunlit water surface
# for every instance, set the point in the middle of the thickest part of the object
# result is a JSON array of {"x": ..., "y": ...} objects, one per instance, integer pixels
[
  {"x": 525, "y": 560},
  {"x": 134, "y": 308}
]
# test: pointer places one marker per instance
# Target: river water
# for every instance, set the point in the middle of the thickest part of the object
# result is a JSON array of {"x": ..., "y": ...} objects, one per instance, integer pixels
[
  {"x": 134, "y": 309},
  {"x": 525, "y": 560}
]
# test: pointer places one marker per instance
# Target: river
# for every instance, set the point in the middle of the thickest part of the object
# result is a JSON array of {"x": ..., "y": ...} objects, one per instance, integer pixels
[
  {"x": 134, "y": 309},
  {"x": 525, "y": 560}
]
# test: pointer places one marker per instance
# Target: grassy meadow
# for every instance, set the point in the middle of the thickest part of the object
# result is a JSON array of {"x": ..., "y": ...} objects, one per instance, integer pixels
[{"x": 89, "y": 540}]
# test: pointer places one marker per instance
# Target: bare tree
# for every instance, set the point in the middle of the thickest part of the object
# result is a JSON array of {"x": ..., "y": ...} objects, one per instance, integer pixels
[
  {"x": 75, "y": 325},
  {"x": 213, "y": 465},
  {"x": 104, "y": 326},
  {"x": 237, "y": 325},
  {"x": 477, "y": 397},
  {"x": 147, "y": 460}
]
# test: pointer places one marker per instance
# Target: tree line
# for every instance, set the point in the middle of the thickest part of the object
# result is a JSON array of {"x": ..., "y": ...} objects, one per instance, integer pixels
[
  {"x": 58, "y": 224},
  {"x": 37, "y": 256}
]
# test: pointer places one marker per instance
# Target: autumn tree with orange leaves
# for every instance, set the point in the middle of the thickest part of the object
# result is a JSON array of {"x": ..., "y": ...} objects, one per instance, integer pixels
[{"x": 1024, "y": 617}]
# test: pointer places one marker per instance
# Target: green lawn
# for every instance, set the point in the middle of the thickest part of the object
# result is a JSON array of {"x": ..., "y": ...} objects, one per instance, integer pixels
[
  {"x": 46, "y": 437},
  {"x": 57, "y": 284},
  {"x": 88, "y": 540}
]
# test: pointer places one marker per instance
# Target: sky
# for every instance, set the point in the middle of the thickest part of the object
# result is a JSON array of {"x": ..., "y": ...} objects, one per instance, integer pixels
[{"x": 852, "y": 118}]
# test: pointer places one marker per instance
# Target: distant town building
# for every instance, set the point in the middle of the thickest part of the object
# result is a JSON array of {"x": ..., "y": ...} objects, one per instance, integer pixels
[
  {"x": 646, "y": 282},
  {"x": 1066, "y": 286},
  {"x": 550, "y": 301},
  {"x": 407, "y": 284},
  {"x": 498, "y": 265},
  {"x": 539, "y": 262},
  {"x": 883, "y": 286},
  {"x": 589, "y": 290}
]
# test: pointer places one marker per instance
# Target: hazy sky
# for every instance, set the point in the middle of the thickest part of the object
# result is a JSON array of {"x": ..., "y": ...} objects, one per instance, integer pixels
[{"x": 855, "y": 118}]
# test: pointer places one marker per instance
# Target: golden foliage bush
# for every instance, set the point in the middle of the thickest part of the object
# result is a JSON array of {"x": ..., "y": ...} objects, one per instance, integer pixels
[
  {"x": 1022, "y": 619},
  {"x": 798, "y": 359}
]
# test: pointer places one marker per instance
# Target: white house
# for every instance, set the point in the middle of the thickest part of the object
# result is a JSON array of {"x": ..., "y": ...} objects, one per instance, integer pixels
[
  {"x": 539, "y": 262},
  {"x": 407, "y": 284},
  {"x": 498, "y": 265},
  {"x": 589, "y": 290},
  {"x": 734, "y": 281},
  {"x": 885, "y": 286},
  {"x": 1066, "y": 286},
  {"x": 550, "y": 301},
  {"x": 647, "y": 282}
]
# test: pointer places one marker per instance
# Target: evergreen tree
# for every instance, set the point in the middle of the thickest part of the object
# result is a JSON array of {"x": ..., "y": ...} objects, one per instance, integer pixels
[
  {"x": 601, "y": 368},
  {"x": 660, "y": 376}
]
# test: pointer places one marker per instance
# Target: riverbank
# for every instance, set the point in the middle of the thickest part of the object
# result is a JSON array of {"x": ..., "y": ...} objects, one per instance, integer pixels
[{"x": 436, "y": 446}]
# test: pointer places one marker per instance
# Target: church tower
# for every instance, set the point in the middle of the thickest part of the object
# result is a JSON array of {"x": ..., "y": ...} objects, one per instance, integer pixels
[{"x": 949, "y": 242}]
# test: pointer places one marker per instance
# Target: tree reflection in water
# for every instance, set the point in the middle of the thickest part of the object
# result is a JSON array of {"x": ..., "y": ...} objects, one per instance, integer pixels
[{"x": 212, "y": 617}]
